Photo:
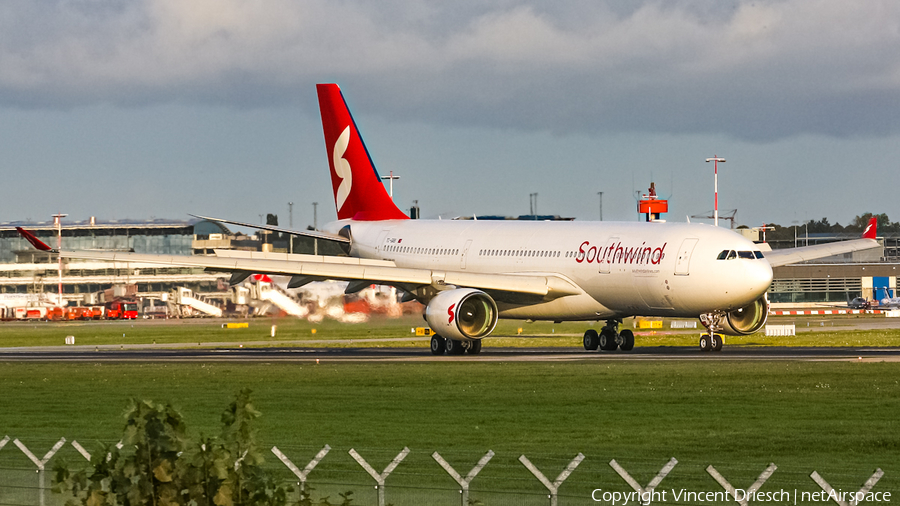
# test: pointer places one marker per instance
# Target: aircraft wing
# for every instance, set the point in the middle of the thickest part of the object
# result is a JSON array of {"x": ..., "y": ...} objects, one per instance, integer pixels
[
  {"x": 779, "y": 257},
  {"x": 345, "y": 268},
  {"x": 789, "y": 256}
]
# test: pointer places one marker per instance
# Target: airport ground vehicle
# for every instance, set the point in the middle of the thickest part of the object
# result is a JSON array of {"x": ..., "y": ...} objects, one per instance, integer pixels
[
  {"x": 859, "y": 303},
  {"x": 116, "y": 310},
  {"x": 121, "y": 310}
]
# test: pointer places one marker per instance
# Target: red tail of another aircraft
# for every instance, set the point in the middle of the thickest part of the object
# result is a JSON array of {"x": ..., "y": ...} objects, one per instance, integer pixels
[
  {"x": 871, "y": 228},
  {"x": 37, "y": 243},
  {"x": 358, "y": 191}
]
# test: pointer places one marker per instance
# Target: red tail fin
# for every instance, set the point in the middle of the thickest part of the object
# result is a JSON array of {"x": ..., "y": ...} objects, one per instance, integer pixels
[
  {"x": 871, "y": 228},
  {"x": 37, "y": 243},
  {"x": 358, "y": 191}
]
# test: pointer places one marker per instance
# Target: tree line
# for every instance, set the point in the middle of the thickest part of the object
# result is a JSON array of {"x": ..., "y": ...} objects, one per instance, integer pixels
[{"x": 823, "y": 226}]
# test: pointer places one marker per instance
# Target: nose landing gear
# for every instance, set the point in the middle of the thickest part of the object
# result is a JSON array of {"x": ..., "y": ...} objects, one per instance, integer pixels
[
  {"x": 712, "y": 340},
  {"x": 609, "y": 338}
]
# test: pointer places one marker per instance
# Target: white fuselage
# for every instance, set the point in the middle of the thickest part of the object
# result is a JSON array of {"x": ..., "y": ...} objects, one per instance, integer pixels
[{"x": 624, "y": 268}]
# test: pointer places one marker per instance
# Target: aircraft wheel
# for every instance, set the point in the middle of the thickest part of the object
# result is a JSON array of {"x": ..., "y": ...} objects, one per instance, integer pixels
[
  {"x": 627, "y": 340},
  {"x": 704, "y": 343},
  {"x": 717, "y": 342},
  {"x": 474, "y": 348},
  {"x": 591, "y": 339},
  {"x": 454, "y": 347},
  {"x": 438, "y": 346},
  {"x": 608, "y": 340}
]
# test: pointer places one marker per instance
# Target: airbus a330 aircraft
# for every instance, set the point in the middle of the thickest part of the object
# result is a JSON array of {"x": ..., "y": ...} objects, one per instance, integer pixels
[{"x": 470, "y": 273}]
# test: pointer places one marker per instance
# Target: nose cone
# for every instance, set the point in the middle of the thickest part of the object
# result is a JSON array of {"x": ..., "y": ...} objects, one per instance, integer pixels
[{"x": 758, "y": 276}]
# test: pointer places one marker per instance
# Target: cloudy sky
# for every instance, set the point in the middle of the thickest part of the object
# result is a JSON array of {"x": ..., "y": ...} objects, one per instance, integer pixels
[{"x": 159, "y": 108}]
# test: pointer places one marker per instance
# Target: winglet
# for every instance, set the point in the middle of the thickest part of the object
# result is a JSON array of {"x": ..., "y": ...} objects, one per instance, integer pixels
[
  {"x": 37, "y": 243},
  {"x": 871, "y": 228}
]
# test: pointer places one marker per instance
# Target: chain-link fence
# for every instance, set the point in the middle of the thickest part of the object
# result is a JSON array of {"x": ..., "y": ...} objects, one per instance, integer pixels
[{"x": 403, "y": 477}]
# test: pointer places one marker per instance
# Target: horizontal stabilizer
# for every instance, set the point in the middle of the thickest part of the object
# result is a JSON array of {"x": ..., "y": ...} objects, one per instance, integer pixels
[{"x": 315, "y": 234}]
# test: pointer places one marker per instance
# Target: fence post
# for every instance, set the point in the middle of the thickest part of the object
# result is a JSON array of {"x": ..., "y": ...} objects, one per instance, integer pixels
[
  {"x": 745, "y": 499},
  {"x": 309, "y": 467},
  {"x": 644, "y": 492},
  {"x": 552, "y": 487},
  {"x": 464, "y": 482},
  {"x": 379, "y": 478},
  {"x": 84, "y": 453},
  {"x": 40, "y": 463},
  {"x": 867, "y": 486}
]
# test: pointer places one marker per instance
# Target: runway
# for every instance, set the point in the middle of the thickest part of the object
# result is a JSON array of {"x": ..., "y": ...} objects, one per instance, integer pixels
[{"x": 312, "y": 355}]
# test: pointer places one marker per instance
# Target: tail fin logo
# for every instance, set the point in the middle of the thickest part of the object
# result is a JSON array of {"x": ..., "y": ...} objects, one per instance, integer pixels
[
  {"x": 358, "y": 191},
  {"x": 342, "y": 168},
  {"x": 871, "y": 228}
]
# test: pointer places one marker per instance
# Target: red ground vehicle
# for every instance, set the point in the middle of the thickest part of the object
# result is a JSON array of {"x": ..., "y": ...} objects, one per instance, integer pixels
[
  {"x": 121, "y": 310},
  {"x": 78, "y": 313},
  {"x": 54, "y": 313}
]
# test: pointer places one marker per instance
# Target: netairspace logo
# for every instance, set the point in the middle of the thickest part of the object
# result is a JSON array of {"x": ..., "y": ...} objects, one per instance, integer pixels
[{"x": 681, "y": 496}]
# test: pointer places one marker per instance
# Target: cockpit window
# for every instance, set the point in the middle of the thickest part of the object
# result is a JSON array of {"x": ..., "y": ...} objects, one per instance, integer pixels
[{"x": 732, "y": 254}]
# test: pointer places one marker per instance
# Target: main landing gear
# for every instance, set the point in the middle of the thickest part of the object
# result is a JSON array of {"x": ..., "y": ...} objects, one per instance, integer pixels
[
  {"x": 609, "y": 338},
  {"x": 712, "y": 340},
  {"x": 440, "y": 345}
]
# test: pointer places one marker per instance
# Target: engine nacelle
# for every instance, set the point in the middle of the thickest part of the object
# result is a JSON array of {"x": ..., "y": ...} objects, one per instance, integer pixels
[
  {"x": 748, "y": 319},
  {"x": 463, "y": 314}
]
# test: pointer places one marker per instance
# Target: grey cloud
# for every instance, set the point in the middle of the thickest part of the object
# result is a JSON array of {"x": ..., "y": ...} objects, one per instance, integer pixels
[{"x": 759, "y": 70}]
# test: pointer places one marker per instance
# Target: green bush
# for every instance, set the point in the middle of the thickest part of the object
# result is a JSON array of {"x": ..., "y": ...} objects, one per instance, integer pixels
[{"x": 159, "y": 465}]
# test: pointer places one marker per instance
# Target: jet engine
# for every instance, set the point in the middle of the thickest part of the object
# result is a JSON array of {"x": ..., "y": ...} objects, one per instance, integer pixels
[
  {"x": 463, "y": 314},
  {"x": 746, "y": 320}
]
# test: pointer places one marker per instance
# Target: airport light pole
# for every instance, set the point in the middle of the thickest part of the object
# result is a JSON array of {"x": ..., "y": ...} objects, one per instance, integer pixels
[
  {"x": 716, "y": 188},
  {"x": 601, "y": 205},
  {"x": 392, "y": 177},
  {"x": 532, "y": 200},
  {"x": 291, "y": 226},
  {"x": 57, "y": 219},
  {"x": 315, "y": 227}
]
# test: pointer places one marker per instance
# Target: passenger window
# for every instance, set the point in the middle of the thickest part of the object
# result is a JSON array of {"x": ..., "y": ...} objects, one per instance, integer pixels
[
  {"x": 746, "y": 254},
  {"x": 723, "y": 255}
]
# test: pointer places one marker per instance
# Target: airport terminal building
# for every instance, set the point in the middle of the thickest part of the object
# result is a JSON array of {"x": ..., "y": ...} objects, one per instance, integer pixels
[{"x": 28, "y": 272}]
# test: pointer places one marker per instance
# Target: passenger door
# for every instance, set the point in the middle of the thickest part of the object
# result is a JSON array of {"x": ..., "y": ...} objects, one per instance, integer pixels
[{"x": 683, "y": 260}]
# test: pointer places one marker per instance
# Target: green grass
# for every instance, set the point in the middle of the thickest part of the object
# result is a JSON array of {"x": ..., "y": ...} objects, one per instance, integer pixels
[
  {"x": 832, "y": 331},
  {"x": 840, "y": 419}
]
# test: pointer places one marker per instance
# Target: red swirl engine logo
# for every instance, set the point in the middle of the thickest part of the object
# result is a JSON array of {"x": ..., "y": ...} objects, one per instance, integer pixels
[{"x": 450, "y": 312}]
